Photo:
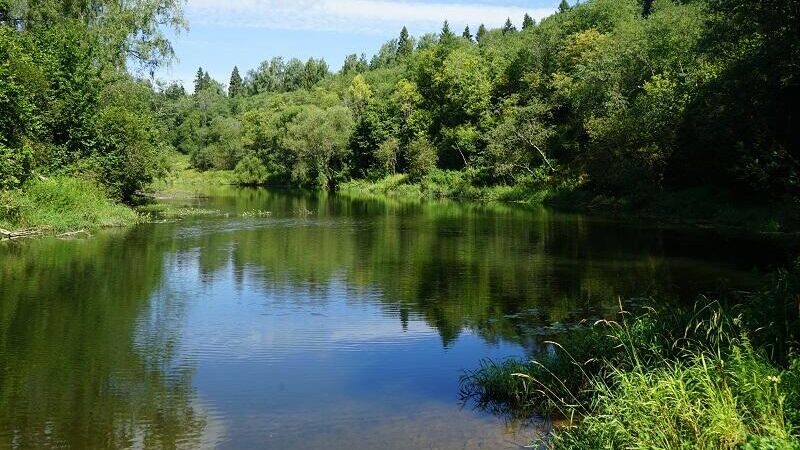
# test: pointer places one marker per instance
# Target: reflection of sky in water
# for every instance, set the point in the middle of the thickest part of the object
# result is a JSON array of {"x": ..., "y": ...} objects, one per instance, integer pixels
[
  {"x": 344, "y": 329},
  {"x": 300, "y": 366}
]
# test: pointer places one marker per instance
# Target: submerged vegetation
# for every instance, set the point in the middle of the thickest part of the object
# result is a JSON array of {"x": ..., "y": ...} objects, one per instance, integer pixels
[{"x": 713, "y": 377}]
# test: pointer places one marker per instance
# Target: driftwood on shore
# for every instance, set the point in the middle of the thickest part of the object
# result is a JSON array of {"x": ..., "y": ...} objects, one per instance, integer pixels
[
  {"x": 5, "y": 234},
  {"x": 31, "y": 232}
]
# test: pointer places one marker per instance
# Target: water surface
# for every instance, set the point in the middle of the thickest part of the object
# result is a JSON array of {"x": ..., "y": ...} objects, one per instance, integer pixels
[{"x": 336, "y": 323}]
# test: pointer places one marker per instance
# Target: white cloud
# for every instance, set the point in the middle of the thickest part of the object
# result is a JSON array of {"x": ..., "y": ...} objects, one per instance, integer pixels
[{"x": 365, "y": 16}]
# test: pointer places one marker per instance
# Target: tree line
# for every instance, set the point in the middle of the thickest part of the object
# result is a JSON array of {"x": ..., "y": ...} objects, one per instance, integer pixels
[{"x": 620, "y": 97}]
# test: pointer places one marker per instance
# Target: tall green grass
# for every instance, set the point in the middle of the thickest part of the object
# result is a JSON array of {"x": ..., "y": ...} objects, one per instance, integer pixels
[
  {"x": 714, "y": 376},
  {"x": 450, "y": 184},
  {"x": 62, "y": 204}
]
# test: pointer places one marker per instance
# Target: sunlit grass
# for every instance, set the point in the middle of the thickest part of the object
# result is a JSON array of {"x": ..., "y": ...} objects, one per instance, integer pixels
[
  {"x": 62, "y": 204},
  {"x": 703, "y": 378},
  {"x": 184, "y": 181},
  {"x": 166, "y": 211}
]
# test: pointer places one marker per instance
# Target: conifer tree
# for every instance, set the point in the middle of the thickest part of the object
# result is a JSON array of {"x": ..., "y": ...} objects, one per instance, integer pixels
[
  {"x": 527, "y": 22},
  {"x": 563, "y": 6},
  {"x": 198, "y": 81},
  {"x": 235, "y": 86},
  {"x": 446, "y": 32},
  {"x": 206, "y": 83},
  {"x": 508, "y": 27},
  {"x": 404, "y": 44},
  {"x": 481, "y": 33},
  {"x": 467, "y": 34}
]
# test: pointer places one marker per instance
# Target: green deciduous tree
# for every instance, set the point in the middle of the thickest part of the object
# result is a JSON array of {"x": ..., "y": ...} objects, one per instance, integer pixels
[
  {"x": 421, "y": 157},
  {"x": 319, "y": 140}
]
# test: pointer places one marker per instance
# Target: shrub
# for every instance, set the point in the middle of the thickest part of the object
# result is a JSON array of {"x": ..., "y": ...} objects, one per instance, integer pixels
[
  {"x": 15, "y": 166},
  {"x": 421, "y": 156},
  {"x": 250, "y": 171},
  {"x": 128, "y": 155},
  {"x": 64, "y": 204}
]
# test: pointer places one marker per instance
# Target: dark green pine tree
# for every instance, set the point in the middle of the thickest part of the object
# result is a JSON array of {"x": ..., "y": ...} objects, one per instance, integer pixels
[
  {"x": 404, "y": 44},
  {"x": 647, "y": 6},
  {"x": 481, "y": 33},
  {"x": 527, "y": 22},
  {"x": 467, "y": 34},
  {"x": 206, "y": 81},
  {"x": 198, "y": 81},
  {"x": 508, "y": 27},
  {"x": 563, "y": 6},
  {"x": 235, "y": 86},
  {"x": 447, "y": 34}
]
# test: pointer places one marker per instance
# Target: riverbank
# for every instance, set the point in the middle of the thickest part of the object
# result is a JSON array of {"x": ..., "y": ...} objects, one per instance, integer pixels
[
  {"x": 60, "y": 205},
  {"x": 65, "y": 205},
  {"x": 715, "y": 376},
  {"x": 691, "y": 207}
]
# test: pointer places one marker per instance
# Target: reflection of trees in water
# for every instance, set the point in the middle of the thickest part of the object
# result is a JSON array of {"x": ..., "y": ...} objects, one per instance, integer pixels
[
  {"x": 86, "y": 339},
  {"x": 74, "y": 373},
  {"x": 500, "y": 271}
]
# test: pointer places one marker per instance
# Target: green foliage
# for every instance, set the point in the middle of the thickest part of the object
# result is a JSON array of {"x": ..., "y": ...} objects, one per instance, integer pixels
[
  {"x": 421, "y": 157},
  {"x": 509, "y": 27},
  {"x": 62, "y": 204},
  {"x": 405, "y": 45},
  {"x": 235, "y": 85},
  {"x": 15, "y": 166},
  {"x": 67, "y": 103},
  {"x": 250, "y": 171},
  {"x": 318, "y": 141},
  {"x": 596, "y": 98},
  {"x": 527, "y": 22},
  {"x": 698, "y": 378},
  {"x": 705, "y": 403}
]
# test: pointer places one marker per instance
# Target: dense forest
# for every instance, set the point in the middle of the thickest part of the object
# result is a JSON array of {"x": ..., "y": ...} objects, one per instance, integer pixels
[
  {"x": 606, "y": 102},
  {"x": 609, "y": 96},
  {"x": 613, "y": 97}
]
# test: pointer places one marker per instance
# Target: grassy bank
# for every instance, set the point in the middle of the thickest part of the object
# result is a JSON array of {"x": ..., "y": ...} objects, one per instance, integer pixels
[
  {"x": 711, "y": 377},
  {"x": 699, "y": 207},
  {"x": 59, "y": 205},
  {"x": 182, "y": 180}
]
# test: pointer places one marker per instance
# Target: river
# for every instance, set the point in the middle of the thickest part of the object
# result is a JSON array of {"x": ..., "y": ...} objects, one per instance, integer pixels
[{"x": 332, "y": 322}]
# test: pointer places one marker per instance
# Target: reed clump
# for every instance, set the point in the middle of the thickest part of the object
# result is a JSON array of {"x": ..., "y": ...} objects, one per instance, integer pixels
[{"x": 715, "y": 376}]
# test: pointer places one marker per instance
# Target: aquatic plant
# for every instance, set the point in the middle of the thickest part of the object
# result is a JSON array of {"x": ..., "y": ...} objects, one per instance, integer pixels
[{"x": 708, "y": 377}]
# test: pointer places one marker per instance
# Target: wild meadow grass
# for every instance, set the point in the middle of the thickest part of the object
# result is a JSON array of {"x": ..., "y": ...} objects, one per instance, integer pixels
[
  {"x": 62, "y": 204},
  {"x": 708, "y": 377},
  {"x": 182, "y": 180}
]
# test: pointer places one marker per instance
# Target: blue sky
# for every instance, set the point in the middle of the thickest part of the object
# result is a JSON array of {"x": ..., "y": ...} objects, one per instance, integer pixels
[{"x": 224, "y": 33}]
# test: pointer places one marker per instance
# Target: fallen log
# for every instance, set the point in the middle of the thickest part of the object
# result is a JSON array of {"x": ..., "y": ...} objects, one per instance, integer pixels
[{"x": 5, "y": 234}]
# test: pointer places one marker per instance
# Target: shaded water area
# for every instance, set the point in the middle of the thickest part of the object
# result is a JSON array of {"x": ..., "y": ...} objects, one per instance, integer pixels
[{"x": 334, "y": 322}]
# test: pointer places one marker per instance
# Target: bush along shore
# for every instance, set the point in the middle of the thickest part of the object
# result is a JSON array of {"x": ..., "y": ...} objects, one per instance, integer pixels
[
  {"x": 720, "y": 375},
  {"x": 60, "y": 205}
]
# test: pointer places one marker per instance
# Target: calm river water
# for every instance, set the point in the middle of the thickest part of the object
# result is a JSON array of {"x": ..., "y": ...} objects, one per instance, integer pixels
[{"x": 333, "y": 323}]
